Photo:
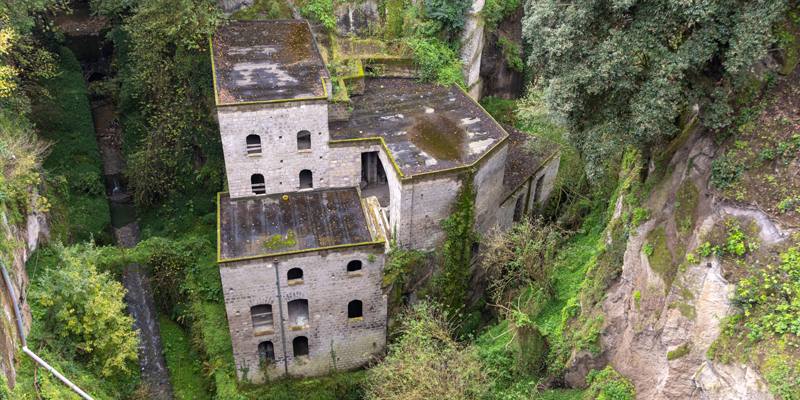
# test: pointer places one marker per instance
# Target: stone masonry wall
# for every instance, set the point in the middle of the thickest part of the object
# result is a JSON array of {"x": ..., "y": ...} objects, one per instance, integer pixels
[
  {"x": 489, "y": 189},
  {"x": 425, "y": 203},
  {"x": 280, "y": 161},
  {"x": 329, "y": 288},
  {"x": 345, "y": 171},
  {"x": 504, "y": 216}
]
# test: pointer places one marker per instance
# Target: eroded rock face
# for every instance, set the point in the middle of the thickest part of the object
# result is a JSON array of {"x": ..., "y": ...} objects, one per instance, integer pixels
[
  {"x": 659, "y": 326},
  {"x": 26, "y": 238},
  {"x": 356, "y": 19}
]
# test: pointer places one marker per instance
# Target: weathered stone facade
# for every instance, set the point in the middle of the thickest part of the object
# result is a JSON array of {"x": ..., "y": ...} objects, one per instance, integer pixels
[
  {"x": 279, "y": 159},
  {"x": 392, "y": 166},
  {"x": 334, "y": 340}
]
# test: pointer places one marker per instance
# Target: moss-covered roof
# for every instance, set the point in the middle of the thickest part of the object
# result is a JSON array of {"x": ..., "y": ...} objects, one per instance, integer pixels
[
  {"x": 264, "y": 225},
  {"x": 526, "y": 155},
  {"x": 261, "y": 61},
  {"x": 426, "y": 127}
]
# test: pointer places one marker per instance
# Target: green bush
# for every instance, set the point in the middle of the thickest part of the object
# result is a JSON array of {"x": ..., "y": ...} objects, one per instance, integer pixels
[
  {"x": 436, "y": 61},
  {"x": 770, "y": 298},
  {"x": 83, "y": 313},
  {"x": 494, "y": 11},
  {"x": 725, "y": 171},
  {"x": 320, "y": 10},
  {"x": 426, "y": 363},
  {"x": 608, "y": 384}
]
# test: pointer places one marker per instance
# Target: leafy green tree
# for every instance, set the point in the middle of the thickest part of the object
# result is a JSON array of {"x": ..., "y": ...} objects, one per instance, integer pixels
[
  {"x": 165, "y": 95},
  {"x": 621, "y": 72},
  {"x": 83, "y": 313}
]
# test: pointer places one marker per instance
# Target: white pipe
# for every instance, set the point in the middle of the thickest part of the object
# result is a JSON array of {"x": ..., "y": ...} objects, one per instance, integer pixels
[
  {"x": 25, "y": 348},
  {"x": 58, "y": 375}
]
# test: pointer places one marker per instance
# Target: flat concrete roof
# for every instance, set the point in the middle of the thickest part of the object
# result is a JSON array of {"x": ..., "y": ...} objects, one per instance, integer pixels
[
  {"x": 264, "y": 225},
  {"x": 266, "y": 61},
  {"x": 426, "y": 127},
  {"x": 526, "y": 154}
]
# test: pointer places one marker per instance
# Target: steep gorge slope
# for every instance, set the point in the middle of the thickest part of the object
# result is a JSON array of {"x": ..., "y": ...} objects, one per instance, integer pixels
[{"x": 669, "y": 306}]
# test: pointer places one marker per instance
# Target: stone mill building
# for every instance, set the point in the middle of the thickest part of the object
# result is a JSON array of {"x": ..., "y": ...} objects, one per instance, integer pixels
[{"x": 316, "y": 192}]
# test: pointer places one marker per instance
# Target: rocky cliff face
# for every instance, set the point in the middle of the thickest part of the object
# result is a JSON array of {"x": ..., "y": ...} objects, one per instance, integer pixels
[
  {"x": 661, "y": 322},
  {"x": 24, "y": 239},
  {"x": 498, "y": 77},
  {"x": 667, "y": 308}
]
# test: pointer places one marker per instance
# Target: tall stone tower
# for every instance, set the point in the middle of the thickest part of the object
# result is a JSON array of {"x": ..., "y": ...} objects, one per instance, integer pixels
[{"x": 272, "y": 103}]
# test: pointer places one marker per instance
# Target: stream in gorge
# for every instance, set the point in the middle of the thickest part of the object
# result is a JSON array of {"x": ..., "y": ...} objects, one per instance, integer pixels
[{"x": 85, "y": 36}]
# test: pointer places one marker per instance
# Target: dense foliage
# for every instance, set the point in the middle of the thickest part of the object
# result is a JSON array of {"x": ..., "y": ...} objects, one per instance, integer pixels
[
  {"x": 83, "y": 313},
  {"x": 622, "y": 72},
  {"x": 520, "y": 259},
  {"x": 453, "y": 280},
  {"x": 426, "y": 363},
  {"x": 165, "y": 97}
]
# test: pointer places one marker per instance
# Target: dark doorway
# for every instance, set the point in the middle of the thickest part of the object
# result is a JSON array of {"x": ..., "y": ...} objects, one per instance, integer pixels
[
  {"x": 519, "y": 208},
  {"x": 373, "y": 178}
]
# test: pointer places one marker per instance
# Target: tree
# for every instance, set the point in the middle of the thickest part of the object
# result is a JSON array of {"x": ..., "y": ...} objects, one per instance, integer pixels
[
  {"x": 621, "y": 72},
  {"x": 165, "y": 93},
  {"x": 83, "y": 313},
  {"x": 426, "y": 363}
]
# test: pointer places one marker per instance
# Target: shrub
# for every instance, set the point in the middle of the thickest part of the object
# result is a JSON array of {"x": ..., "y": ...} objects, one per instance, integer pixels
[
  {"x": 725, "y": 171},
  {"x": 436, "y": 61},
  {"x": 320, "y": 10},
  {"x": 168, "y": 273},
  {"x": 83, "y": 313},
  {"x": 426, "y": 363},
  {"x": 519, "y": 258},
  {"x": 608, "y": 384},
  {"x": 452, "y": 282},
  {"x": 769, "y": 297},
  {"x": 494, "y": 11}
]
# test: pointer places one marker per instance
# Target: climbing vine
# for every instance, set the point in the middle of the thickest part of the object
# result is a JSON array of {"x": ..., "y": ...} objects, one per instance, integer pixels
[{"x": 456, "y": 250}]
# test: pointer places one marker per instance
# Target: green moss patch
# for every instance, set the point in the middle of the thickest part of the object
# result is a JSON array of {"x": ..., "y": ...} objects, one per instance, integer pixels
[
  {"x": 679, "y": 351},
  {"x": 685, "y": 207},
  {"x": 661, "y": 260},
  {"x": 280, "y": 242}
]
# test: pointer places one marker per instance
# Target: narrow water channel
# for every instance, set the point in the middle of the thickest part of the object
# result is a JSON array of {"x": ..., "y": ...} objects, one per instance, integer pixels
[{"x": 94, "y": 54}]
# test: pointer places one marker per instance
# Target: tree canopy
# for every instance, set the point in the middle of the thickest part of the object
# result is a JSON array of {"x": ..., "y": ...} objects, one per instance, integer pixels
[{"x": 621, "y": 72}]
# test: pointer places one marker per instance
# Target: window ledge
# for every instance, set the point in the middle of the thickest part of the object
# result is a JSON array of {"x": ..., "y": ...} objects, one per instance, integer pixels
[
  {"x": 297, "y": 327},
  {"x": 356, "y": 319},
  {"x": 355, "y": 274},
  {"x": 254, "y": 155},
  {"x": 304, "y": 151},
  {"x": 295, "y": 282},
  {"x": 263, "y": 331}
]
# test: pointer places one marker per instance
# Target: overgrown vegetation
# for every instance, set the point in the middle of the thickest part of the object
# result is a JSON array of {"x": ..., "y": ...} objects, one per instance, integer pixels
[
  {"x": 452, "y": 281},
  {"x": 621, "y": 74},
  {"x": 426, "y": 362}
]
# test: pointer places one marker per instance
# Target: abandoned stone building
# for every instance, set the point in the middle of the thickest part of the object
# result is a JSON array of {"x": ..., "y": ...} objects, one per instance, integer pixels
[{"x": 316, "y": 192}]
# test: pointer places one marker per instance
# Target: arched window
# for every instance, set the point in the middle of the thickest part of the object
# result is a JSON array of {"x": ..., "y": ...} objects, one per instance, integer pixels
[
  {"x": 262, "y": 316},
  {"x": 253, "y": 144},
  {"x": 257, "y": 183},
  {"x": 355, "y": 309},
  {"x": 298, "y": 312},
  {"x": 294, "y": 274},
  {"x": 306, "y": 179},
  {"x": 303, "y": 140},
  {"x": 266, "y": 352},
  {"x": 354, "y": 266},
  {"x": 300, "y": 346}
]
